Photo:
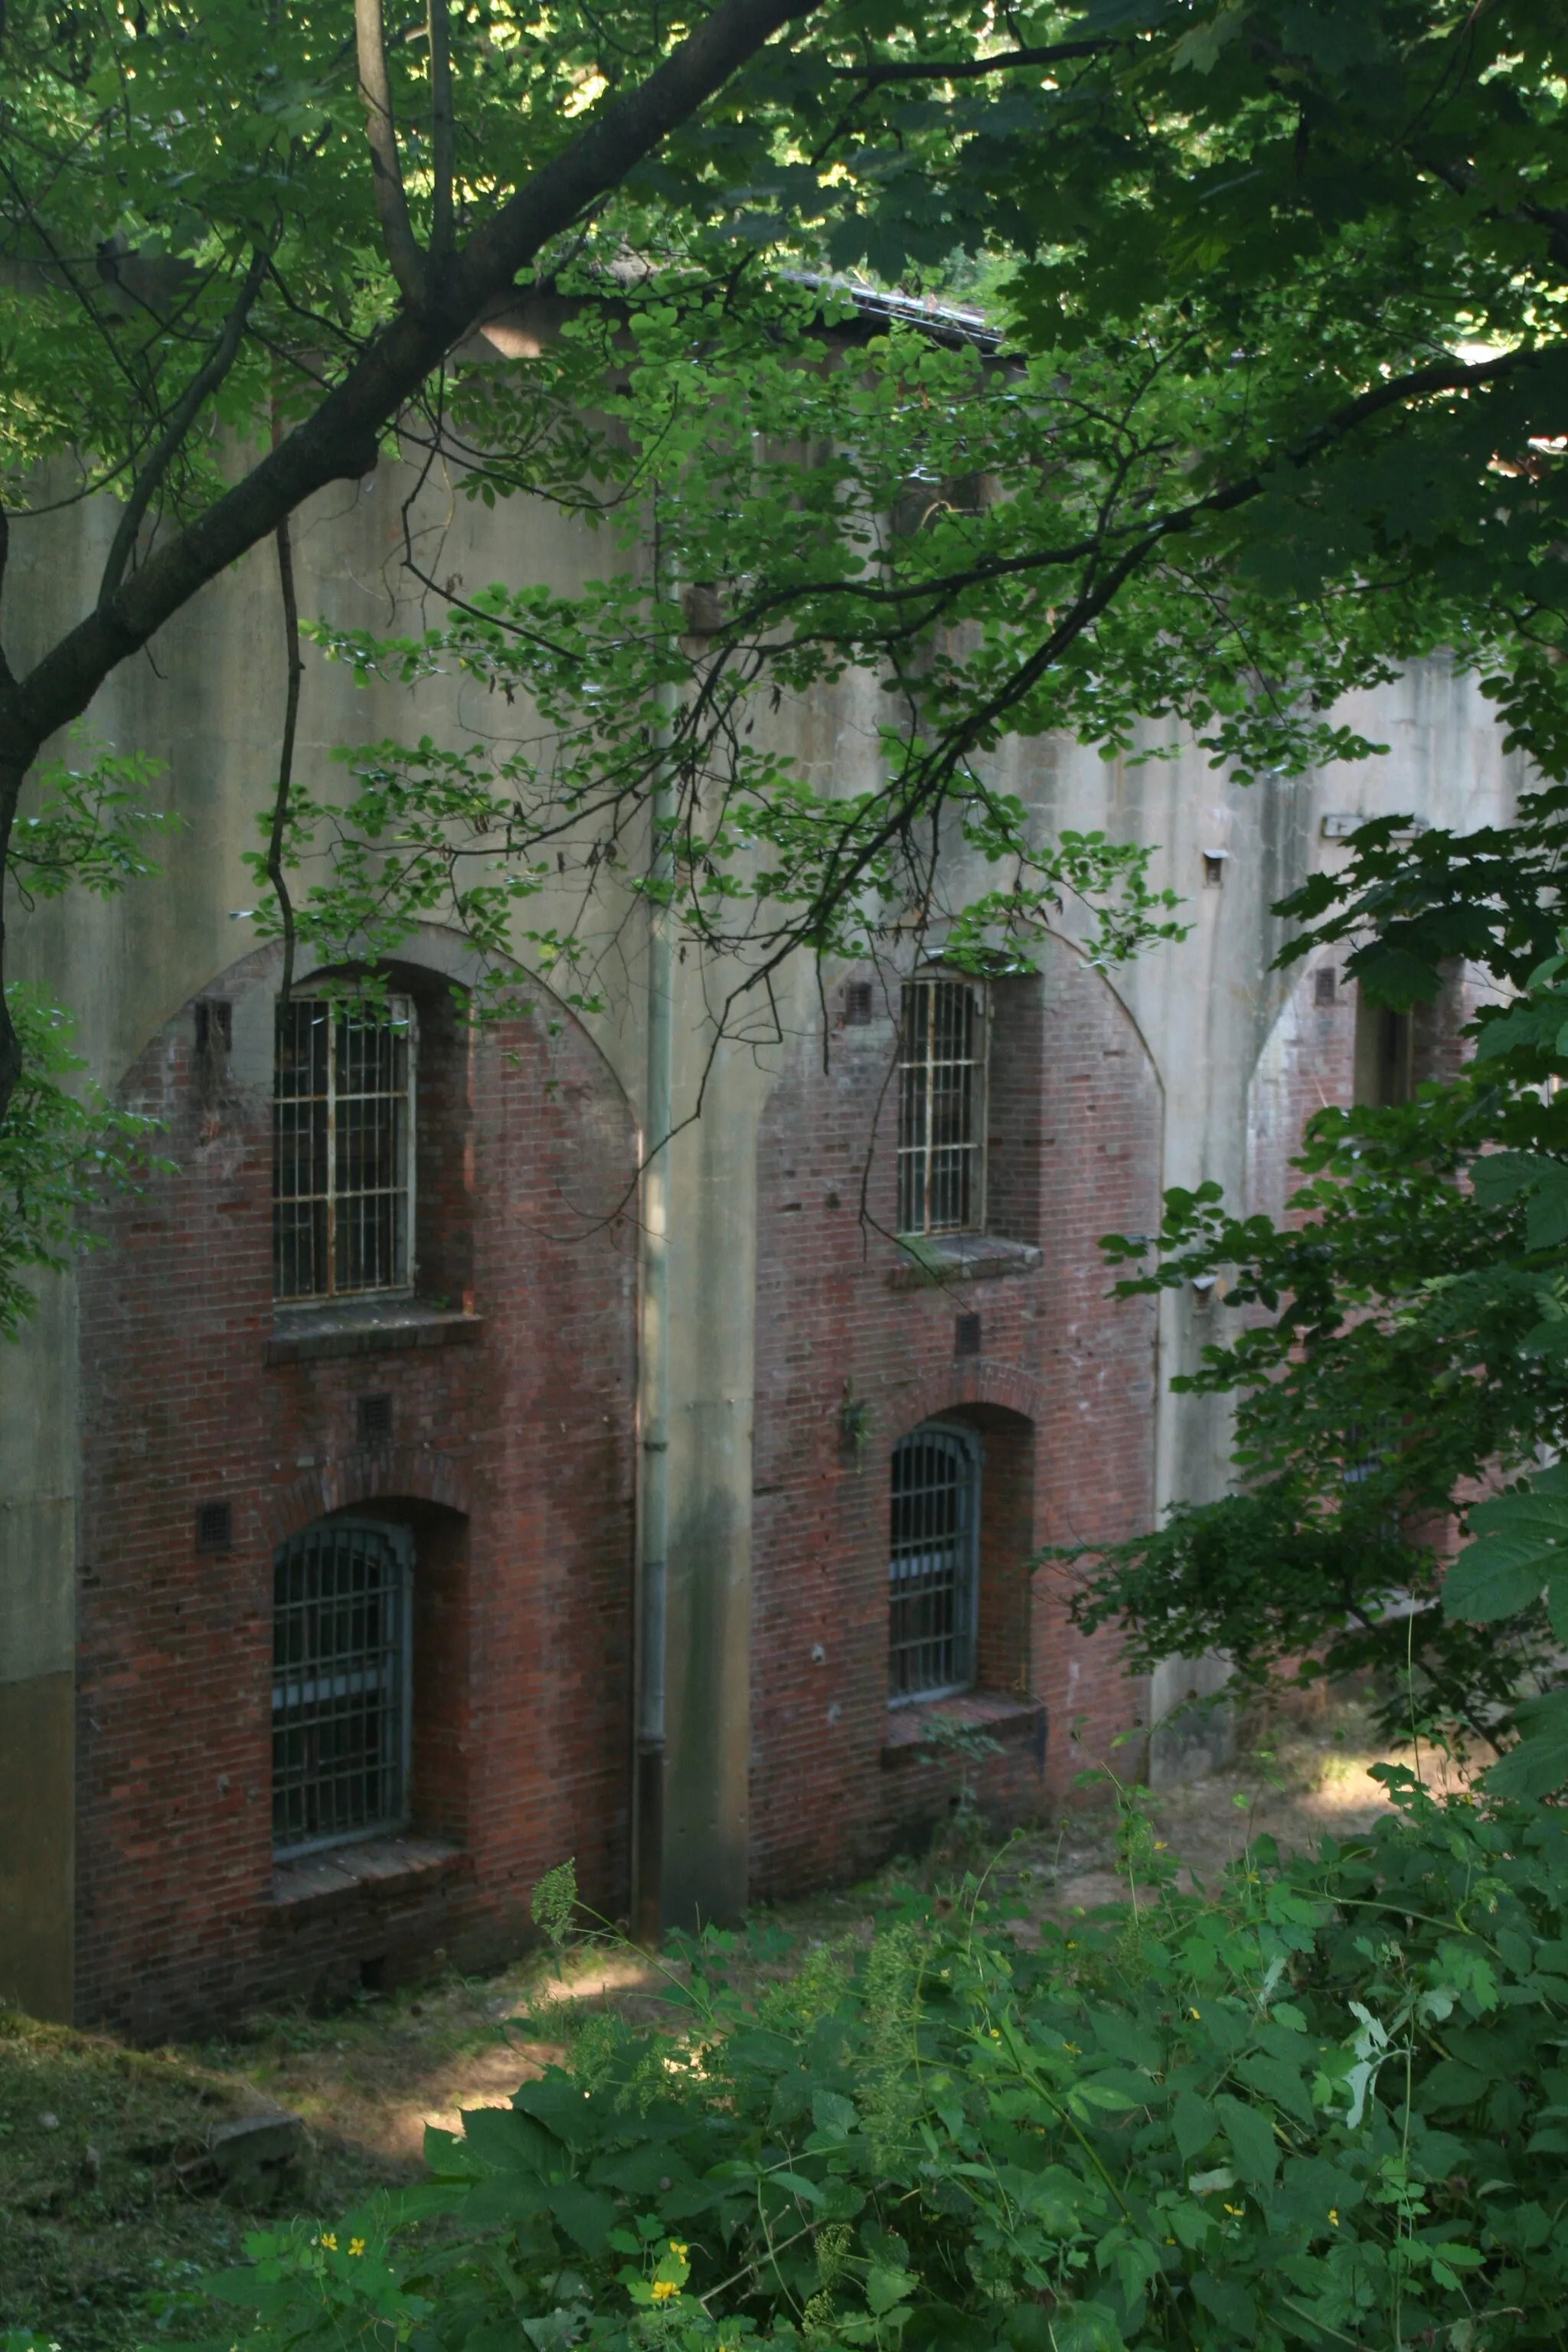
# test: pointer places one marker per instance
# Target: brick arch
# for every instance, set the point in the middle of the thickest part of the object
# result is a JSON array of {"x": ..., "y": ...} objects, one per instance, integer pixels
[
  {"x": 250, "y": 981},
  {"x": 1082, "y": 962},
  {"x": 979, "y": 1382},
  {"x": 420, "y": 1474}
]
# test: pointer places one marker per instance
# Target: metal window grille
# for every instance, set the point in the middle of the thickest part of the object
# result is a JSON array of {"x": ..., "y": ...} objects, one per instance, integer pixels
[
  {"x": 931, "y": 1566},
  {"x": 342, "y": 1173},
  {"x": 942, "y": 1107},
  {"x": 340, "y": 1684}
]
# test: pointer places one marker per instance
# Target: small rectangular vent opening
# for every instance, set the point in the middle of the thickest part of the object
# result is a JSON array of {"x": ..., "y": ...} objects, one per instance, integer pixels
[
  {"x": 373, "y": 1415},
  {"x": 966, "y": 1335},
  {"x": 1325, "y": 984},
  {"x": 215, "y": 1527},
  {"x": 215, "y": 1026},
  {"x": 858, "y": 1004}
]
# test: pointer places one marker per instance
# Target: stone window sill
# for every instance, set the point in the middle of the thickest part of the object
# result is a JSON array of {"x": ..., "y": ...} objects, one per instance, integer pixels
[
  {"x": 943, "y": 1258},
  {"x": 1002, "y": 1715},
  {"x": 396, "y": 1866},
  {"x": 368, "y": 1328}
]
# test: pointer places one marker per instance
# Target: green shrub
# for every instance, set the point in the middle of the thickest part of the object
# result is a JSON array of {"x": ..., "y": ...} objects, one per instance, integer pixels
[{"x": 1327, "y": 2104}]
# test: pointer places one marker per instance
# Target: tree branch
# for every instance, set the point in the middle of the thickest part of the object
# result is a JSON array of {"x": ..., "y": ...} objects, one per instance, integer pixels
[
  {"x": 441, "y": 134},
  {"x": 340, "y": 441},
  {"x": 403, "y": 254},
  {"x": 971, "y": 68},
  {"x": 206, "y": 382}
]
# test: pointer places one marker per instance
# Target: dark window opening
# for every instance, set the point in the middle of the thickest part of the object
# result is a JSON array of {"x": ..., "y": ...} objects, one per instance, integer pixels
[
  {"x": 1384, "y": 1055},
  {"x": 340, "y": 1684},
  {"x": 373, "y": 1417},
  {"x": 215, "y": 1527},
  {"x": 966, "y": 1335},
  {"x": 1325, "y": 985},
  {"x": 858, "y": 1004},
  {"x": 1214, "y": 869},
  {"x": 934, "y": 1552}
]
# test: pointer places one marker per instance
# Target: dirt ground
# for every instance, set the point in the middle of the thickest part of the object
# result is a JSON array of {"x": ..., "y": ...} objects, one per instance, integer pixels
[{"x": 104, "y": 2208}]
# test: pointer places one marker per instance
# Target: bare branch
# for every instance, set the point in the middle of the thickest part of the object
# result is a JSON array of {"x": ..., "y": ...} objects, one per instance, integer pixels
[
  {"x": 275, "y": 873},
  {"x": 203, "y": 384},
  {"x": 403, "y": 254}
]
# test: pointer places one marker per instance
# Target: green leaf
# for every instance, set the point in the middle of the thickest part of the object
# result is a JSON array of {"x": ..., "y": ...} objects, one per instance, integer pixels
[
  {"x": 884, "y": 2288},
  {"x": 1523, "y": 1541},
  {"x": 833, "y": 2114},
  {"x": 1195, "y": 2124},
  {"x": 1251, "y": 2138},
  {"x": 1537, "y": 1766}
]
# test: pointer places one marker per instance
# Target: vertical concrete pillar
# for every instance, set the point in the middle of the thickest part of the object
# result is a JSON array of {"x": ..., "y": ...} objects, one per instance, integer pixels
[
  {"x": 712, "y": 1316},
  {"x": 37, "y": 1678}
]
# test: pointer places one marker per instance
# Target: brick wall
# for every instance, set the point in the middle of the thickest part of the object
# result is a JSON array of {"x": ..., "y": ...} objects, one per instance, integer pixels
[
  {"x": 1060, "y": 1387},
  {"x": 510, "y": 1456},
  {"x": 1323, "y": 1054}
]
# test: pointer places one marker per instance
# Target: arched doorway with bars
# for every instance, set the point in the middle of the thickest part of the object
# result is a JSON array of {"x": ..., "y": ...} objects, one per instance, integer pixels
[
  {"x": 369, "y": 1698},
  {"x": 961, "y": 1532},
  {"x": 934, "y": 1562},
  {"x": 343, "y": 1684}
]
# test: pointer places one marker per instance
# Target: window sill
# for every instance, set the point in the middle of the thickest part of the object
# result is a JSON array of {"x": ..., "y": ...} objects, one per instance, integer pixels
[
  {"x": 367, "y": 1328},
  {"x": 1002, "y": 1715},
  {"x": 959, "y": 1257},
  {"x": 398, "y": 1866}
]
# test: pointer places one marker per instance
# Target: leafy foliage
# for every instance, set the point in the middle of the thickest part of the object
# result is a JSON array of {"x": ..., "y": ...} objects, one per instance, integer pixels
[
  {"x": 1266, "y": 404},
  {"x": 1321, "y": 2105},
  {"x": 1402, "y": 1348},
  {"x": 63, "y": 1147}
]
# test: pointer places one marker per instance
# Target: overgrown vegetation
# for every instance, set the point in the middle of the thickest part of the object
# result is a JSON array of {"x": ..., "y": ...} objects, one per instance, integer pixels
[
  {"x": 1321, "y": 2104},
  {"x": 1400, "y": 1349}
]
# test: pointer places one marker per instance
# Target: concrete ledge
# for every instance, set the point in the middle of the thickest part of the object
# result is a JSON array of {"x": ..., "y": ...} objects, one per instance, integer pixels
[
  {"x": 945, "y": 1258},
  {"x": 1002, "y": 1714},
  {"x": 368, "y": 1331},
  {"x": 396, "y": 1866}
]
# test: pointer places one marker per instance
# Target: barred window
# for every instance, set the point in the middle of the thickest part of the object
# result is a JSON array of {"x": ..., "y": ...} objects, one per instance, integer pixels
[
  {"x": 933, "y": 1559},
  {"x": 343, "y": 1170},
  {"x": 340, "y": 1685},
  {"x": 942, "y": 1106}
]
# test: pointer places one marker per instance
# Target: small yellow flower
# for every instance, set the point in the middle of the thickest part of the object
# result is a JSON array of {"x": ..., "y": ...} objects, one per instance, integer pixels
[
  {"x": 1159, "y": 1848},
  {"x": 995, "y": 2034},
  {"x": 665, "y": 2290},
  {"x": 1191, "y": 2012},
  {"x": 1237, "y": 2211},
  {"x": 329, "y": 2239},
  {"x": 680, "y": 2248},
  {"x": 356, "y": 2245},
  {"x": 1333, "y": 2217}
]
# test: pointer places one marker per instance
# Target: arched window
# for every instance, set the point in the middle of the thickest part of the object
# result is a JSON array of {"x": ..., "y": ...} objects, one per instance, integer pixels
[
  {"x": 341, "y": 1683},
  {"x": 932, "y": 1563}
]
